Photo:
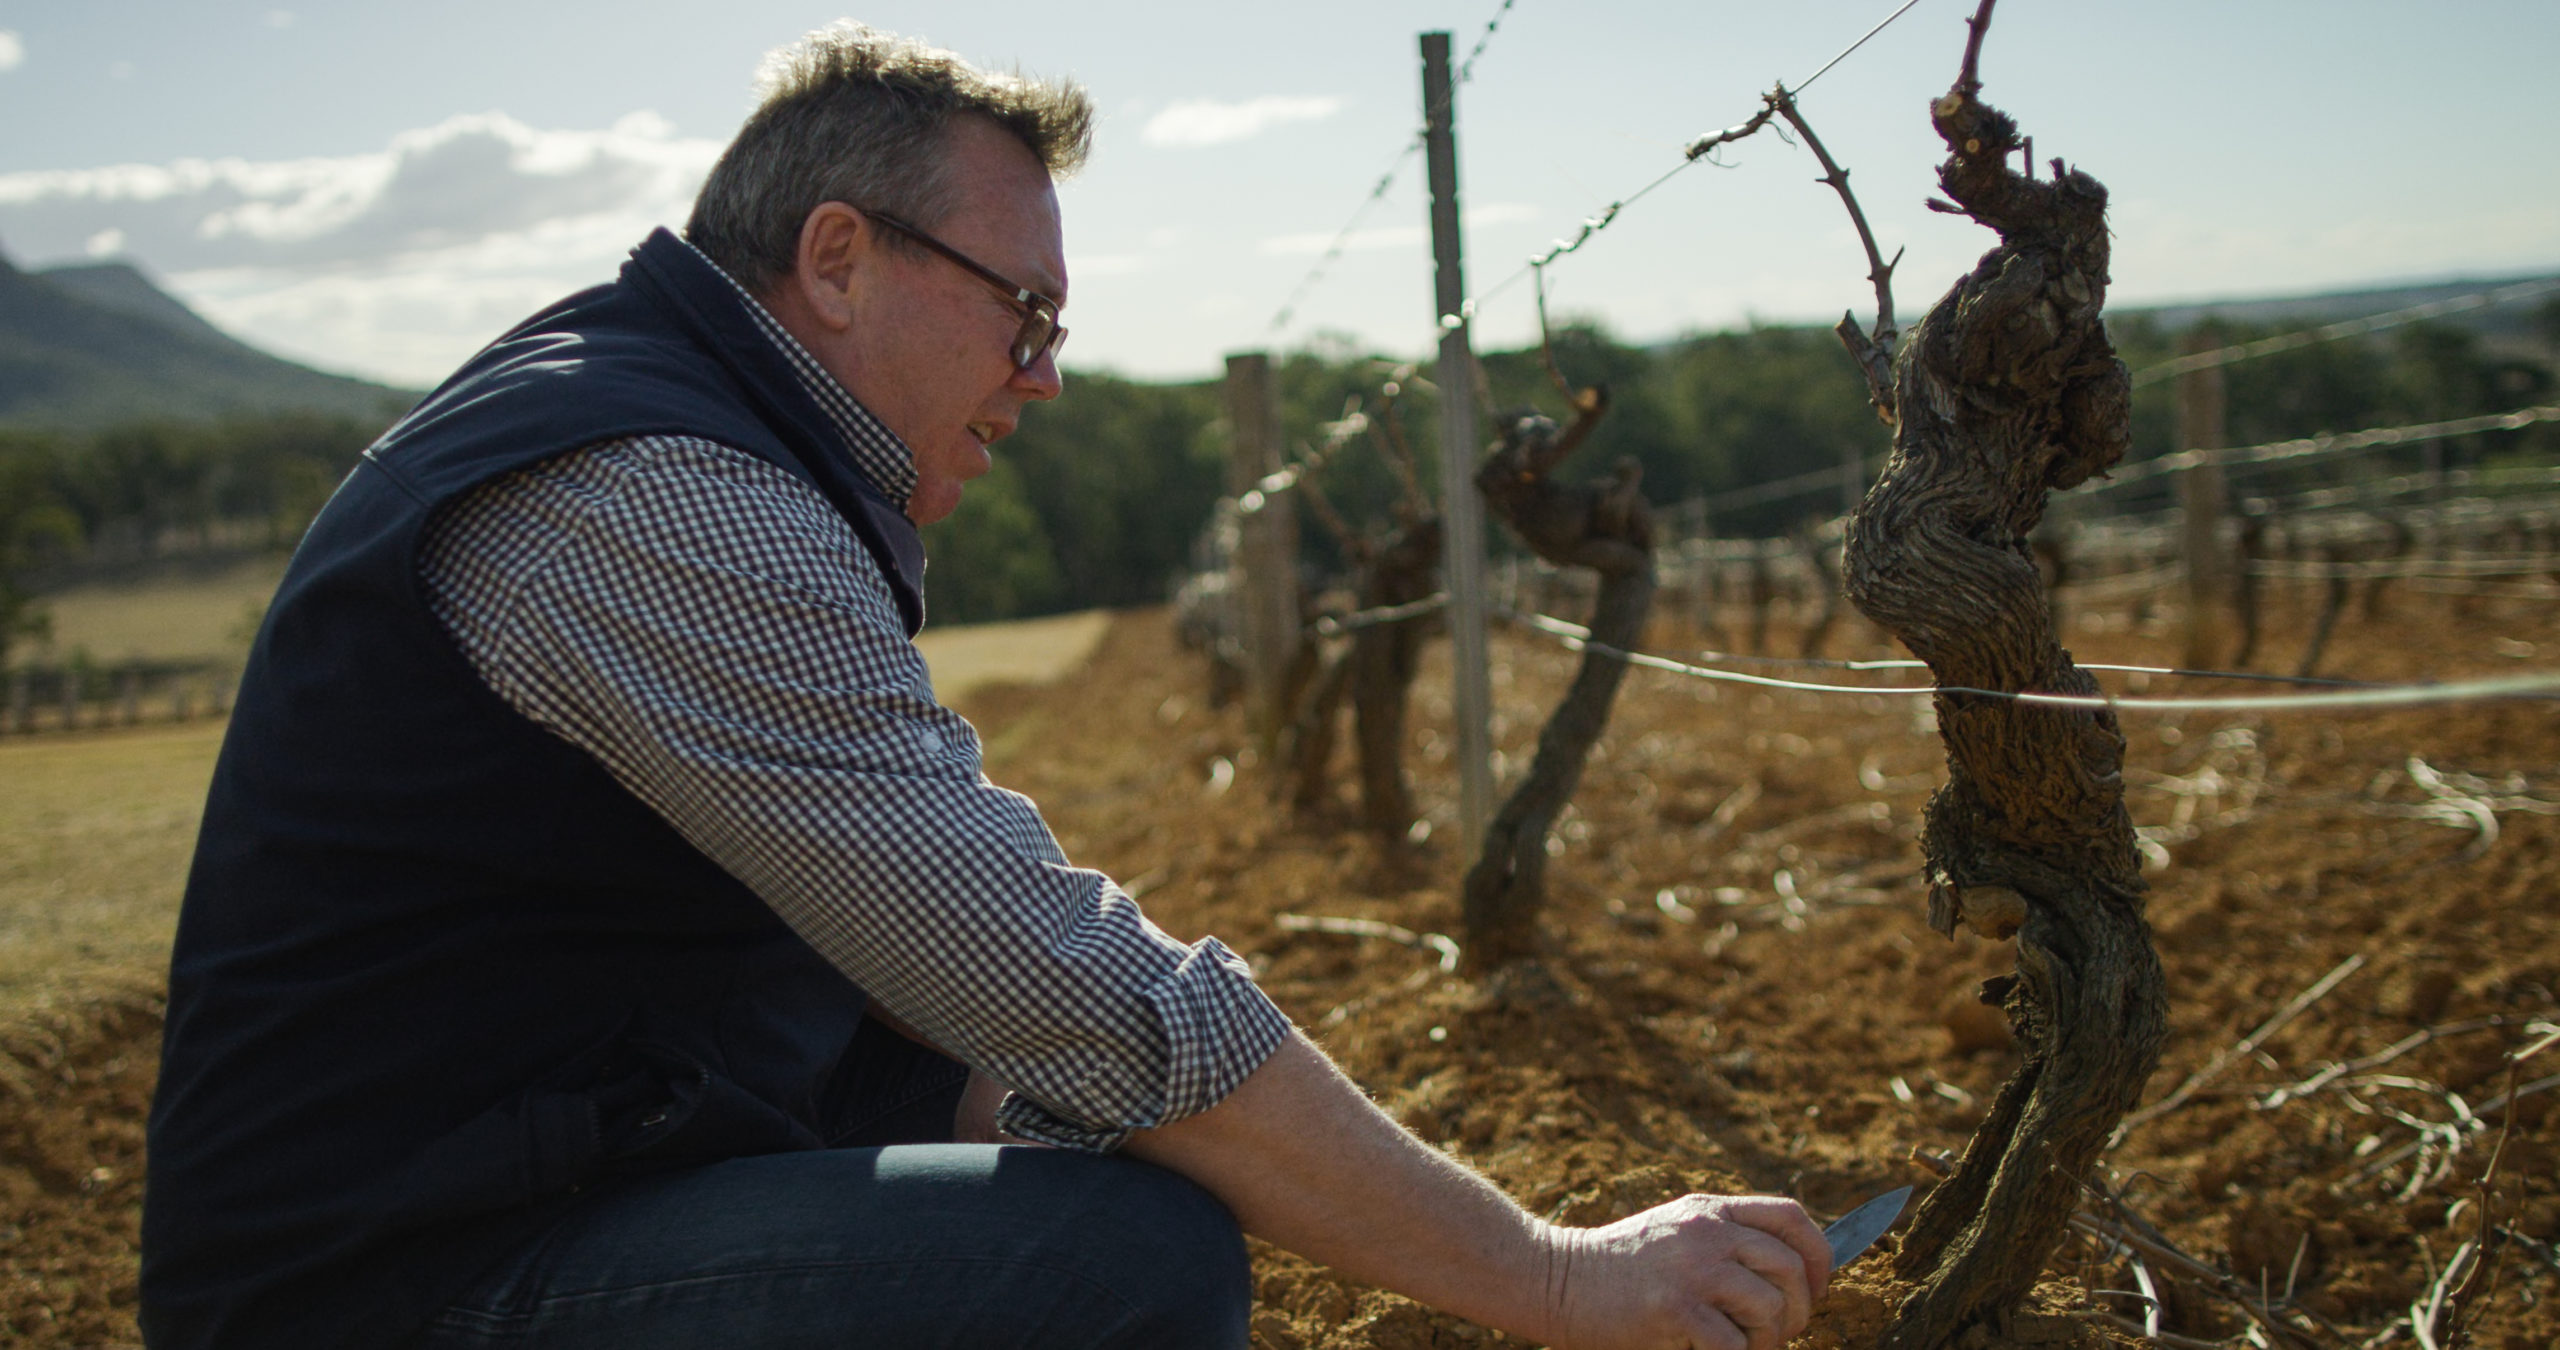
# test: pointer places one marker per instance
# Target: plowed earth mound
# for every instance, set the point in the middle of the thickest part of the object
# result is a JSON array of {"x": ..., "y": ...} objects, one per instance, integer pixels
[{"x": 1739, "y": 991}]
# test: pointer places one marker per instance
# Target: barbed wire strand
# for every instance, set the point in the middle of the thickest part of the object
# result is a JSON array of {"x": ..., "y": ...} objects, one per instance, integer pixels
[
  {"x": 1905, "y": 663},
  {"x": 2435, "y": 569},
  {"x": 2345, "y": 328},
  {"x": 1311, "y": 459},
  {"x": 2306, "y": 447},
  {"x": 1696, "y": 150},
  {"x": 2303, "y": 447},
  {"x": 1467, "y": 68},
  {"x": 2441, "y": 586},
  {"x": 1335, "y": 625},
  {"x": 1386, "y": 182},
  {"x": 1779, "y": 489},
  {"x": 1827, "y": 478},
  {"x": 1553, "y": 624},
  {"x": 2414, "y": 484},
  {"x": 1807, "y": 81},
  {"x": 1342, "y": 238},
  {"x": 2538, "y": 685},
  {"x": 2476, "y": 499}
]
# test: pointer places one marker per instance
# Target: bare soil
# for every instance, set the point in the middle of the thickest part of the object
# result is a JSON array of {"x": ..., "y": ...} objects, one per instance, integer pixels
[{"x": 1737, "y": 990}]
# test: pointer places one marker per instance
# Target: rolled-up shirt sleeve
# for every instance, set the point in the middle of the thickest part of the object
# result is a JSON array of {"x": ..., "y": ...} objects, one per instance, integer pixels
[{"x": 711, "y": 630}]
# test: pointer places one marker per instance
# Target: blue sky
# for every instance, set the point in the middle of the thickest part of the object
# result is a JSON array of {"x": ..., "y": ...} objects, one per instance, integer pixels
[{"x": 379, "y": 189}]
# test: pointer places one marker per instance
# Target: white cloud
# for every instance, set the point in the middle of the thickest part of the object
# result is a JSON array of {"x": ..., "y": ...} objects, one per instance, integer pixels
[
  {"x": 465, "y": 180},
  {"x": 279, "y": 18},
  {"x": 396, "y": 263},
  {"x": 1198, "y": 122},
  {"x": 408, "y": 325},
  {"x": 13, "y": 50}
]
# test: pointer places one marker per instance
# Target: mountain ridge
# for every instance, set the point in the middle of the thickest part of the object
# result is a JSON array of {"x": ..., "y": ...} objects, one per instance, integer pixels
[
  {"x": 88, "y": 345},
  {"x": 123, "y": 286},
  {"x": 92, "y": 345}
]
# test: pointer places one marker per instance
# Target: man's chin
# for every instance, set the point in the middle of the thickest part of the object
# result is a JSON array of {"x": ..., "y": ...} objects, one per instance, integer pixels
[{"x": 932, "y": 502}]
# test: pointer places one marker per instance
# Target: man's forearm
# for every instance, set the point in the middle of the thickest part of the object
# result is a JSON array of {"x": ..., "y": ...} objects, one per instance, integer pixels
[{"x": 1310, "y": 1164}]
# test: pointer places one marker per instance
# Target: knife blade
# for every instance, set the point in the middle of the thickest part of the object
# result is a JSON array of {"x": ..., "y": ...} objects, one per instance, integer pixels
[{"x": 1852, "y": 1233}]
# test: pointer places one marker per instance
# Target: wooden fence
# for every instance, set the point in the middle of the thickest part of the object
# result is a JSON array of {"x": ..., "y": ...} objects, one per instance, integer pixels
[{"x": 88, "y": 696}]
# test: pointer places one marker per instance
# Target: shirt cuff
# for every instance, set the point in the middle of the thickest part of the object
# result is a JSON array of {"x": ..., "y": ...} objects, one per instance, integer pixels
[{"x": 1219, "y": 1027}]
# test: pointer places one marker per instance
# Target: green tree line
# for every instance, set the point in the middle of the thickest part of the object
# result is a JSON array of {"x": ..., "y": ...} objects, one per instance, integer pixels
[
  {"x": 148, "y": 489},
  {"x": 2424, "y": 372},
  {"x": 1095, "y": 501},
  {"x": 1725, "y": 411}
]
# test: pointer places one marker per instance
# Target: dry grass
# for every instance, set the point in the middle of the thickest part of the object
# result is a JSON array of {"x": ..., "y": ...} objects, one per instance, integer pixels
[
  {"x": 1028, "y": 651},
  {"x": 178, "y": 617},
  {"x": 95, "y": 834},
  {"x": 96, "y": 828},
  {"x": 210, "y": 616}
]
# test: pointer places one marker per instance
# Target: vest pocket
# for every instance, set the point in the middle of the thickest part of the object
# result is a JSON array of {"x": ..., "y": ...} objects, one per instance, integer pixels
[{"x": 670, "y": 1109}]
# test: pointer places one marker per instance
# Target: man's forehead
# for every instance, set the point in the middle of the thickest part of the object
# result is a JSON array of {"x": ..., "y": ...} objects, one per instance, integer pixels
[
  {"x": 1049, "y": 277},
  {"x": 1044, "y": 259},
  {"x": 1004, "y": 184}
]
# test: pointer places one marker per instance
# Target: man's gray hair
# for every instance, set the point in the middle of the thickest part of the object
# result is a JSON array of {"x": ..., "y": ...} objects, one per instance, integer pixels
[{"x": 854, "y": 115}]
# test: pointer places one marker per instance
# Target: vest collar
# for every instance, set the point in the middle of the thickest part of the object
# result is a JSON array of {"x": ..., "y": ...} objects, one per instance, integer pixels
[{"x": 708, "y": 307}]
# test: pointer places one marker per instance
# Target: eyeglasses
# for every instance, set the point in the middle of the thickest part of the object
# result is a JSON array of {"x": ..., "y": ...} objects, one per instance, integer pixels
[{"x": 1040, "y": 331}]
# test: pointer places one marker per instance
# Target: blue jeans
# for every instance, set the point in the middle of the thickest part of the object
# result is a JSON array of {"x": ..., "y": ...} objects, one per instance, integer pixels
[{"x": 957, "y": 1246}]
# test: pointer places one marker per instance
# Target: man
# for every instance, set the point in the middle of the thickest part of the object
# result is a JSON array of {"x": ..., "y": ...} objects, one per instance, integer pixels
[{"x": 594, "y": 910}]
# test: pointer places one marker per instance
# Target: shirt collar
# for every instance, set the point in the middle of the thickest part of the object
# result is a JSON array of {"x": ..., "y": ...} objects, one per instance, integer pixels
[{"x": 876, "y": 451}]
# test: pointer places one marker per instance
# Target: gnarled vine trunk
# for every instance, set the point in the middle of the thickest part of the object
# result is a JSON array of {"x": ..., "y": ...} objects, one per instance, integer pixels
[
  {"x": 1384, "y": 660},
  {"x": 2009, "y": 390},
  {"x": 1609, "y": 529},
  {"x": 1375, "y": 669}
]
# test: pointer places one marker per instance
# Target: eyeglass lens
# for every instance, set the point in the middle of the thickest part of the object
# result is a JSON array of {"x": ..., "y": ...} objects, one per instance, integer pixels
[{"x": 1040, "y": 333}]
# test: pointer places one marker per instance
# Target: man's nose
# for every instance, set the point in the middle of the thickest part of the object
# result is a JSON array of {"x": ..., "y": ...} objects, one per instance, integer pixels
[{"x": 1041, "y": 380}]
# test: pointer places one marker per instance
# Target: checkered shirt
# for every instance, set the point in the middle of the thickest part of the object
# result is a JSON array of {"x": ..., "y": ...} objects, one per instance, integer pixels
[{"x": 714, "y": 633}]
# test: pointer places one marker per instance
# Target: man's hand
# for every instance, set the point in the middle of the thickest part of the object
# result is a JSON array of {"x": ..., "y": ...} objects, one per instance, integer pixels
[
  {"x": 1700, "y": 1273},
  {"x": 975, "y": 1120},
  {"x": 1309, "y": 1163}
]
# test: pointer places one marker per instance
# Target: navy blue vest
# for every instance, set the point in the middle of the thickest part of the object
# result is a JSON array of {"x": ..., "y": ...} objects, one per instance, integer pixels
[{"x": 436, "y": 972}]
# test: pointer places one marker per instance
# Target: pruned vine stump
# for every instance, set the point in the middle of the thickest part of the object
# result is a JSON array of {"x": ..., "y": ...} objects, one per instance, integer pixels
[
  {"x": 1608, "y": 528},
  {"x": 2007, "y": 391}
]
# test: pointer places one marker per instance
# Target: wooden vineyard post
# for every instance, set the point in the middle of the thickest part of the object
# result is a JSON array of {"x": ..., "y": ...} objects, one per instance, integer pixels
[
  {"x": 1266, "y": 549},
  {"x": 2201, "y": 507},
  {"x": 1462, "y": 517},
  {"x": 2009, "y": 390}
]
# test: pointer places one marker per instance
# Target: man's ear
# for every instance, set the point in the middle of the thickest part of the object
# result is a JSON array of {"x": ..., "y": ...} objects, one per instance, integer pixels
[{"x": 835, "y": 241}]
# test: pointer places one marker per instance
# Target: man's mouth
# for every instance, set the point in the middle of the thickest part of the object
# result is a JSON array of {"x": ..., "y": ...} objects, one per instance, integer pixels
[{"x": 986, "y": 432}]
